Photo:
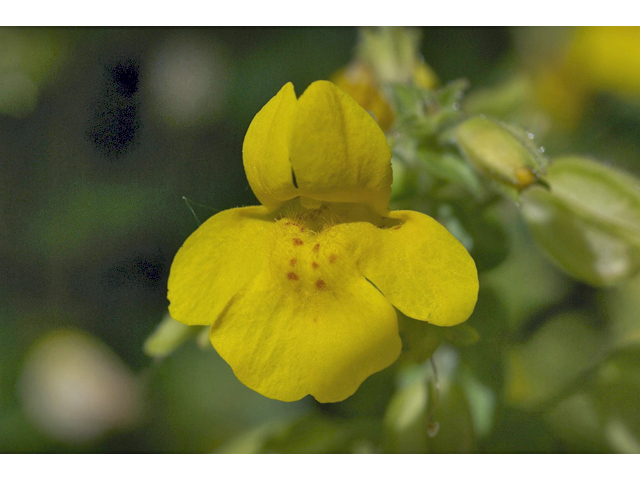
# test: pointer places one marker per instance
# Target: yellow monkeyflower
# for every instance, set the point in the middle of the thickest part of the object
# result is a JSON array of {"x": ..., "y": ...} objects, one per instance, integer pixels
[{"x": 300, "y": 291}]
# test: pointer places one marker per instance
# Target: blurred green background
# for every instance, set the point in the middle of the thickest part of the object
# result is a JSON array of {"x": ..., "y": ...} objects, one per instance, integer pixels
[{"x": 103, "y": 131}]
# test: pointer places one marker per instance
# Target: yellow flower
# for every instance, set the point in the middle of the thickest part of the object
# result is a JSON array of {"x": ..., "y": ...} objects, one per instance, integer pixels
[
  {"x": 596, "y": 59},
  {"x": 300, "y": 291},
  {"x": 607, "y": 59}
]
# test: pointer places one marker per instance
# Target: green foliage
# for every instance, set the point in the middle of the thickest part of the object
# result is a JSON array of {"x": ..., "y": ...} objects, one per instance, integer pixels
[{"x": 533, "y": 349}]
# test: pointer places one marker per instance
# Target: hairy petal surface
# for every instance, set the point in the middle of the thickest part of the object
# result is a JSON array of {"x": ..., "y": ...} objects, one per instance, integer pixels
[
  {"x": 422, "y": 269},
  {"x": 265, "y": 150},
  {"x": 338, "y": 152},
  {"x": 221, "y": 257},
  {"x": 310, "y": 323}
]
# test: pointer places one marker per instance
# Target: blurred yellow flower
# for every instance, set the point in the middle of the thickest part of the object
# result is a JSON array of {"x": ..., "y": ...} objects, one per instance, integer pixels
[
  {"x": 607, "y": 58},
  {"x": 595, "y": 59},
  {"x": 300, "y": 291}
]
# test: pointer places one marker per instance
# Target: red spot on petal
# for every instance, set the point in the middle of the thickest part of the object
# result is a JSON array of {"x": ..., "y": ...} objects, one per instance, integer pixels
[
  {"x": 320, "y": 284},
  {"x": 397, "y": 227},
  {"x": 332, "y": 258},
  {"x": 316, "y": 247},
  {"x": 297, "y": 241},
  {"x": 293, "y": 261},
  {"x": 314, "y": 265},
  {"x": 292, "y": 276},
  {"x": 315, "y": 320}
]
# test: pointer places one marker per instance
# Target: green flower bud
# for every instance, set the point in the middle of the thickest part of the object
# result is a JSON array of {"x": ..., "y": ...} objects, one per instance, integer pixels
[
  {"x": 393, "y": 53},
  {"x": 589, "y": 220},
  {"x": 501, "y": 152}
]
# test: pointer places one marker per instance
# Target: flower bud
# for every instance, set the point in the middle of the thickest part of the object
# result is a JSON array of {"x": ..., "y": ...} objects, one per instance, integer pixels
[
  {"x": 501, "y": 152},
  {"x": 393, "y": 53},
  {"x": 589, "y": 220}
]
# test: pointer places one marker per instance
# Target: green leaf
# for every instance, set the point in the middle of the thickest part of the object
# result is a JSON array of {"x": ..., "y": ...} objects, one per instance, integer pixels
[
  {"x": 588, "y": 223},
  {"x": 405, "y": 420},
  {"x": 622, "y": 305},
  {"x": 524, "y": 282},
  {"x": 461, "y": 335},
  {"x": 419, "y": 339},
  {"x": 603, "y": 415},
  {"x": 430, "y": 413},
  {"x": 558, "y": 355},
  {"x": 316, "y": 433}
]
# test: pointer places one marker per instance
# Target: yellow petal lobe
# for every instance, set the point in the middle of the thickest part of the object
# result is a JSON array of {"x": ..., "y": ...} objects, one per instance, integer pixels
[
  {"x": 265, "y": 150},
  {"x": 358, "y": 80},
  {"x": 223, "y": 255},
  {"x": 338, "y": 152},
  {"x": 422, "y": 269},
  {"x": 310, "y": 323}
]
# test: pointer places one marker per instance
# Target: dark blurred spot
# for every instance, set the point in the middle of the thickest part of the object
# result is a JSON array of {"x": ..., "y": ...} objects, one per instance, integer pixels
[
  {"x": 125, "y": 78},
  {"x": 124, "y": 294},
  {"x": 148, "y": 271},
  {"x": 137, "y": 274},
  {"x": 115, "y": 116}
]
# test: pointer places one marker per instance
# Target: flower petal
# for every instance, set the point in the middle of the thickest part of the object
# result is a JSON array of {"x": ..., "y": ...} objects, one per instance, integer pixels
[
  {"x": 337, "y": 150},
  {"x": 358, "y": 80},
  {"x": 265, "y": 150},
  {"x": 422, "y": 269},
  {"x": 216, "y": 261},
  {"x": 308, "y": 324}
]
